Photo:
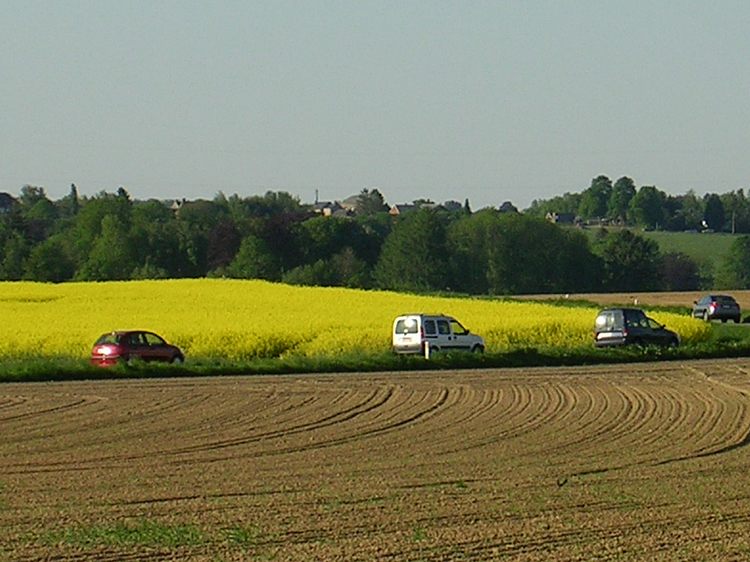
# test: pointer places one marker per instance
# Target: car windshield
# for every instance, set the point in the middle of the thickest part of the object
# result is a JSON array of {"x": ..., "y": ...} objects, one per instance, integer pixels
[
  {"x": 153, "y": 339},
  {"x": 458, "y": 329}
]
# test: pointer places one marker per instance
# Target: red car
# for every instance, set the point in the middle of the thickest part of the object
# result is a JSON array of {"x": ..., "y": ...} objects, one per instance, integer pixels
[{"x": 123, "y": 346}]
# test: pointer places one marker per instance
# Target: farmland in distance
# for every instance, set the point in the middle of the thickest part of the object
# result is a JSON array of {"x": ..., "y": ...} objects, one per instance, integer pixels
[{"x": 629, "y": 462}]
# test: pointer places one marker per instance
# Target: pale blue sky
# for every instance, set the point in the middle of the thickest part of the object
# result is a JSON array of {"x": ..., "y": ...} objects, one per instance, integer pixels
[{"x": 490, "y": 101}]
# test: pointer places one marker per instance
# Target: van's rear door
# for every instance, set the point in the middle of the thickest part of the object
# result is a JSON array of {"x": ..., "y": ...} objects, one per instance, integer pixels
[{"x": 406, "y": 335}]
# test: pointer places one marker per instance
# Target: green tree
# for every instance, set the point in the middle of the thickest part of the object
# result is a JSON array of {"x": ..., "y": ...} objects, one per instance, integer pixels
[
  {"x": 595, "y": 199},
  {"x": 679, "y": 272},
  {"x": 631, "y": 262},
  {"x": 38, "y": 213},
  {"x": 112, "y": 256},
  {"x": 89, "y": 221},
  {"x": 737, "y": 210},
  {"x": 254, "y": 260},
  {"x": 343, "y": 269},
  {"x": 40, "y": 220},
  {"x": 14, "y": 253},
  {"x": 50, "y": 261},
  {"x": 195, "y": 220},
  {"x": 223, "y": 242},
  {"x": 735, "y": 267},
  {"x": 370, "y": 202},
  {"x": 567, "y": 203},
  {"x": 619, "y": 201},
  {"x": 531, "y": 255},
  {"x": 322, "y": 237},
  {"x": 30, "y": 195},
  {"x": 684, "y": 212},
  {"x": 155, "y": 237},
  {"x": 69, "y": 205},
  {"x": 414, "y": 255},
  {"x": 713, "y": 212},
  {"x": 647, "y": 207},
  {"x": 350, "y": 270},
  {"x": 468, "y": 242}
]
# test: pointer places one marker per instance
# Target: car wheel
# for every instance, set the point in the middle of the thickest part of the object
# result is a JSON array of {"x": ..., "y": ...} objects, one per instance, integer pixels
[
  {"x": 737, "y": 320},
  {"x": 178, "y": 359},
  {"x": 477, "y": 349},
  {"x": 673, "y": 342},
  {"x": 705, "y": 316}
]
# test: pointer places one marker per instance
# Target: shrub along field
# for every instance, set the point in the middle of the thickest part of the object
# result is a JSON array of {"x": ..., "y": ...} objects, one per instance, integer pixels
[{"x": 231, "y": 325}]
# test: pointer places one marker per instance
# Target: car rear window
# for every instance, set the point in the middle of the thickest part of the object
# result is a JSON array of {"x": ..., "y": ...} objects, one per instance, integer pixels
[
  {"x": 107, "y": 338},
  {"x": 725, "y": 299},
  {"x": 406, "y": 326},
  {"x": 605, "y": 321}
]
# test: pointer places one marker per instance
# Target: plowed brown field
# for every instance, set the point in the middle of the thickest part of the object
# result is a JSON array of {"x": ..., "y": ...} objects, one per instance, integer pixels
[
  {"x": 646, "y": 299},
  {"x": 635, "y": 462}
]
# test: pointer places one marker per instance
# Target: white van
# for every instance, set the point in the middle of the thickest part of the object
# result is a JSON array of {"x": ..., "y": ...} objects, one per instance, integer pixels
[{"x": 413, "y": 333}]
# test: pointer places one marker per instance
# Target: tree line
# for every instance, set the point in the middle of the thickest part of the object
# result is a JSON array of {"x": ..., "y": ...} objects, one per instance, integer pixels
[
  {"x": 649, "y": 207},
  {"x": 275, "y": 237}
]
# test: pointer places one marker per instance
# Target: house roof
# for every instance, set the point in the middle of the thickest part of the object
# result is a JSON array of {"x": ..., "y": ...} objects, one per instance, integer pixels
[
  {"x": 6, "y": 200},
  {"x": 401, "y": 208}
]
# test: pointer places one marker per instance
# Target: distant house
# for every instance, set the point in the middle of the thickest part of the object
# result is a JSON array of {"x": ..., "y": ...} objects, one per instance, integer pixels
[
  {"x": 561, "y": 218},
  {"x": 351, "y": 203},
  {"x": 327, "y": 208},
  {"x": 7, "y": 201},
  {"x": 402, "y": 209}
]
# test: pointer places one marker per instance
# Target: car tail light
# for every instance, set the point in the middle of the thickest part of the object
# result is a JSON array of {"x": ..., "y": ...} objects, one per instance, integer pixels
[
  {"x": 713, "y": 306},
  {"x": 108, "y": 350}
]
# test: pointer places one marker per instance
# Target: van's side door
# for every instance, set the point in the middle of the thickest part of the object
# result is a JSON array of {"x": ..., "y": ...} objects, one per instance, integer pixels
[
  {"x": 460, "y": 335},
  {"x": 430, "y": 331},
  {"x": 445, "y": 336}
]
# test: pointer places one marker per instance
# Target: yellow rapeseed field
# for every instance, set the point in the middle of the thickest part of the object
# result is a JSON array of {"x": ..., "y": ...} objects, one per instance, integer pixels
[{"x": 239, "y": 319}]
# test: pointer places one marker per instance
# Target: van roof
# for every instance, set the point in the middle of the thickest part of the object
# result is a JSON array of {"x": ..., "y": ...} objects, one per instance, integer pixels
[{"x": 423, "y": 314}]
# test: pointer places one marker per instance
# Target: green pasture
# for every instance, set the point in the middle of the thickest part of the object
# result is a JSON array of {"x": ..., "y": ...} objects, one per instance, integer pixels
[{"x": 703, "y": 248}]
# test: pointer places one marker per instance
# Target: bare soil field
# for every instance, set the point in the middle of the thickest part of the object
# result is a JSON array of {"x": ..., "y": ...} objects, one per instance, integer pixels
[
  {"x": 631, "y": 462},
  {"x": 646, "y": 299}
]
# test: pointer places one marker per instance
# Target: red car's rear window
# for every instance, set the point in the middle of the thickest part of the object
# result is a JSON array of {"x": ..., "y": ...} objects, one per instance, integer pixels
[{"x": 108, "y": 338}]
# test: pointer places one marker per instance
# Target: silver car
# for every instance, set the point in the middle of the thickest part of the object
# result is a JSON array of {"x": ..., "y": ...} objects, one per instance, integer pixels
[{"x": 717, "y": 307}]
